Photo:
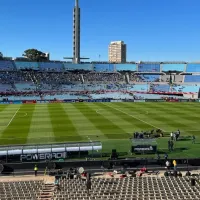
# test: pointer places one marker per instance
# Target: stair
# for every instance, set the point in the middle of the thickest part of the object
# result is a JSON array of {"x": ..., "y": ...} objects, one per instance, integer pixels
[{"x": 47, "y": 192}]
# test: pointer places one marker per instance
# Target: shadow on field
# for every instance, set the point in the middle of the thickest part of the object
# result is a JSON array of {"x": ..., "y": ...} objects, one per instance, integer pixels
[{"x": 176, "y": 150}]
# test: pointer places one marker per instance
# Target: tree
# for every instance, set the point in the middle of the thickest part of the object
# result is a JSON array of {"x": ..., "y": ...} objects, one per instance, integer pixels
[
  {"x": 35, "y": 55},
  {"x": 1, "y": 56}
]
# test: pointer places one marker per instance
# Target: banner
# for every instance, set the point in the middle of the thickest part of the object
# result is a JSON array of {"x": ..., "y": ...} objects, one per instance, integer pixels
[
  {"x": 144, "y": 149},
  {"x": 56, "y": 101},
  {"x": 172, "y": 100},
  {"x": 5, "y": 102},
  {"x": 139, "y": 100},
  {"x": 42, "y": 156},
  {"x": 183, "y": 100},
  {"x": 29, "y": 101},
  {"x": 42, "y": 101},
  {"x": 115, "y": 100},
  {"x": 17, "y": 102},
  {"x": 155, "y": 100},
  {"x": 128, "y": 100}
]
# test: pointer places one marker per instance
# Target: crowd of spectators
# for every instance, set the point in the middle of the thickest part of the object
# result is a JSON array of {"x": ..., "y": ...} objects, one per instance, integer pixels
[
  {"x": 143, "y": 78},
  {"x": 104, "y": 77}
]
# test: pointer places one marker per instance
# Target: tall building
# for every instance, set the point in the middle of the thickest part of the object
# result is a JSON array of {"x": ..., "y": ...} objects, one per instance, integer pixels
[
  {"x": 117, "y": 52},
  {"x": 76, "y": 34}
]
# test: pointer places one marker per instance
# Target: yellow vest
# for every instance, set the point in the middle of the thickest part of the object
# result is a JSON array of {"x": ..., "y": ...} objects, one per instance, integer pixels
[
  {"x": 174, "y": 162},
  {"x": 35, "y": 168}
]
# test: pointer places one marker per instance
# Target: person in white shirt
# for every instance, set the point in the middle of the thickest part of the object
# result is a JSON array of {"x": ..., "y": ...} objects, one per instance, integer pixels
[
  {"x": 171, "y": 135},
  {"x": 167, "y": 164}
]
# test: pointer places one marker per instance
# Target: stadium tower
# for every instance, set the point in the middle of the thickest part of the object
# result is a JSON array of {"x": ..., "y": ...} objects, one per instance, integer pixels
[{"x": 76, "y": 34}]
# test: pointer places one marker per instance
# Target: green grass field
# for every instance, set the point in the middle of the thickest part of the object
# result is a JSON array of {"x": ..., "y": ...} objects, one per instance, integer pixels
[{"x": 110, "y": 123}]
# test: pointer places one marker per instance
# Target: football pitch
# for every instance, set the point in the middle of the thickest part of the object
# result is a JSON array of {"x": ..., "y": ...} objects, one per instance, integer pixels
[{"x": 111, "y": 123}]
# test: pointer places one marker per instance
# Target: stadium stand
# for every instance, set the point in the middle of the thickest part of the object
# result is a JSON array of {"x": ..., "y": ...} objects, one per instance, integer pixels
[
  {"x": 126, "y": 67},
  {"x": 28, "y": 86},
  {"x": 71, "y": 67},
  {"x": 149, "y": 68},
  {"x": 27, "y": 65},
  {"x": 159, "y": 88},
  {"x": 6, "y": 88},
  {"x": 56, "y": 83},
  {"x": 140, "y": 188},
  {"x": 22, "y": 190},
  {"x": 173, "y": 67},
  {"x": 104, "y": 67},
  {"x": 103, "y": 77},
  {"x": 193, "y": 67},
  {"x": 6, "y": 65},
  {"x": 185, "y": 88},
  {"x": 150, "y": 78},
  {"x": 192, "y": 79},
  {"x": 139, "y": 87},
  {"x": 51, "y": 66}
]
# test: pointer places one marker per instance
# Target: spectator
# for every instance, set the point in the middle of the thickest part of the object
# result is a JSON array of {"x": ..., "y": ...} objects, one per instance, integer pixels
[
  {"x": 172, "y": 145},
  {"x": 174, "y": 136},
  {"x": 169, "y": 145},
  {"x": 175, "y": 165},
  {"x": 193, "y": 139},
  {"x": 167, "y": 165},
  {"x": 171, "y": 135},
  {"x": 35, "y": 170},
  {"x": 166, "y": 156}
]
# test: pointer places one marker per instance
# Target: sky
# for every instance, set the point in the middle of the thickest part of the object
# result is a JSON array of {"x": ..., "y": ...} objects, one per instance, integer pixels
[{"x": 154, "y": 30}]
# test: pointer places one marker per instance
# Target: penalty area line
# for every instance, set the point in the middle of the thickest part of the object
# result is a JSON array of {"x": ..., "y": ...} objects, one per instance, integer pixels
[
  {"x": 12, "y": 117},
  {"x": 134, "y": 117}
]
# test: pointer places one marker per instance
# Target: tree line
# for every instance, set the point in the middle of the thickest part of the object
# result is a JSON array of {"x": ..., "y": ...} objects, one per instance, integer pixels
[{"x": 31, "y": 55}]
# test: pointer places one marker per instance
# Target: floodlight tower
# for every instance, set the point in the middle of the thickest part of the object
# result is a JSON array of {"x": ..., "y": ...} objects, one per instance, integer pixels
[{"x": 76, "y": 34}]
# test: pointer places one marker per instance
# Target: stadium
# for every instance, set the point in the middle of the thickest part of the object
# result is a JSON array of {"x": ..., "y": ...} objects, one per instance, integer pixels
[{"x": 98, "y": 130}]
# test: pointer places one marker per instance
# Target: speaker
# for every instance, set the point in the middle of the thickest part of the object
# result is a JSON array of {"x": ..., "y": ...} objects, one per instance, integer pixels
[{"x": 193, "y": 181}]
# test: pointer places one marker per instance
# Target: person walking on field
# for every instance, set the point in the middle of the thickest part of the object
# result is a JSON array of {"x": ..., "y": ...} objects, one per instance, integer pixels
[
  {"x": 193, "y": 139},
  {"x": 172, "y": 145},
  {"x": 35, "y": 170}
]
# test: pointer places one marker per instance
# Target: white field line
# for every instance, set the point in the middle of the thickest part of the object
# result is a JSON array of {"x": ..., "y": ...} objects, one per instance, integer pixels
[
  {"x": 97, "y": 111},
  {"x": 13, "y": 117},
  {"x": 134, "y": 117}
]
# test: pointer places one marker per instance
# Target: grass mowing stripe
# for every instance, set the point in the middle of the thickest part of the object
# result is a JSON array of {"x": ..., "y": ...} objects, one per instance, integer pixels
[
  {"x": 41, "y": 129},
  {"x": 84, "y": 126},
  {"x": 124, "y": 115},
  {"x": 64, "y": 129},
  {"x": 3, "y": 107},
  {"x": 106, "y": 126},
  {"x": 18, "y": 129},
  {"x": 167, "y": 122}
]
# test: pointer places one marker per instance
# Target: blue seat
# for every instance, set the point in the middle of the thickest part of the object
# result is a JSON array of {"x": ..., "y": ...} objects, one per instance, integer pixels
[
  {"x": 193, "y": 67},
  {"x": 27, "y": 65},
  {"x": 70, "y": 66},
  {"x": 6, "y": 65},
  {"x": 192, "y": 78},
  {"x": 126, "y": 67},
  {"x": 54, "y": 66},
  {"x": 148, "y": 67}
]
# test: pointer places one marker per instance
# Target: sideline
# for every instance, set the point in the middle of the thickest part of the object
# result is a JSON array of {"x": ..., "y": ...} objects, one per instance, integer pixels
[
  {"x": 134, "y": 117},
  {"x": 12, "y": 117}
]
